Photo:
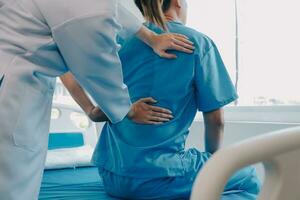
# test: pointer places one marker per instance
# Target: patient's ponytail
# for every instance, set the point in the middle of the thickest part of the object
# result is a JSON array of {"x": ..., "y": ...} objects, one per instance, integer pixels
[{"x": 153, "y": 11}]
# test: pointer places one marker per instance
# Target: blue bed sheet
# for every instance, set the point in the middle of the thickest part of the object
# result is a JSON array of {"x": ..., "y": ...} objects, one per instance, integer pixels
[{"x": 73, "y": 184}]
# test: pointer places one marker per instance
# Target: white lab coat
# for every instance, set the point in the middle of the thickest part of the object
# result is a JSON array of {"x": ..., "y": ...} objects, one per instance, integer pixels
[
  {"x": 2, "y": 3},
  {"x": 40, "y": 40}
]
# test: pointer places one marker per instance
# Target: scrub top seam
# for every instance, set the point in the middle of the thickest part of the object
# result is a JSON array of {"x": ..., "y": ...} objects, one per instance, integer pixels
[{"x": 205, "y": 54}]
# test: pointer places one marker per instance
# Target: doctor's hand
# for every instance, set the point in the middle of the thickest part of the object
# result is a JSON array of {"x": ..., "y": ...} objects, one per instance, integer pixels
[
  {"x": 167, "y": 41},
  {"x": 171, "y": 41},
  {"x": 142, "y": 112},
  {"x": 97, "y": 115}
]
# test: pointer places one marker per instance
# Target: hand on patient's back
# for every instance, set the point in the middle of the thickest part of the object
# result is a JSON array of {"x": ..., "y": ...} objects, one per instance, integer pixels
[
  {"x": 143, "y": 112},
  {"x": 171, "y": 41}
]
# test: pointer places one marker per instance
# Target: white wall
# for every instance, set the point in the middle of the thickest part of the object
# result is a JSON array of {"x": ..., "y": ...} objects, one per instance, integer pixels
[{"x": 245, "y": 122}]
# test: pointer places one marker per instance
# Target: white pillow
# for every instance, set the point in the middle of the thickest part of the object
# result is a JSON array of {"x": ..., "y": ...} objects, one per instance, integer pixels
[{"x": 69, "y": 157}]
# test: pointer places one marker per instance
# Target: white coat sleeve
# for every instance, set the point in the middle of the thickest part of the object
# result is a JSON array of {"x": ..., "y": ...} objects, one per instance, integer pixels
[
  {"x": 88, "y": 46},
  {"x": 2, "y": 3},
  {"x": 130, "y": 24}
]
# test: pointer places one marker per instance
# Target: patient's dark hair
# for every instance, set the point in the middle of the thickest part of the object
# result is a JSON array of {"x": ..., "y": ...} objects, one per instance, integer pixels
[{"x": 153, "y": 11}]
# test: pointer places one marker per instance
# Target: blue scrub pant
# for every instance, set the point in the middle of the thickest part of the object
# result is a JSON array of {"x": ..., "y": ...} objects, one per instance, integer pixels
[{"x": 243, "y": 185}]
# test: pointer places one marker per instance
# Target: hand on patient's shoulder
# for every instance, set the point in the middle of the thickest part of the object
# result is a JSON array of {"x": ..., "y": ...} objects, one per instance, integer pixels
[
  {"x": 160, "y": 43},
  {"x": 143, "y": 112},
  {"x": 171, "y": 41}
]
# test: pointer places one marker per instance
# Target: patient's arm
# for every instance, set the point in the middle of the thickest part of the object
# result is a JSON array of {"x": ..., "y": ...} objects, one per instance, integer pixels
[
  {"x": 78, "y": 94},
  {"x": 214, "y": 128},
  {"x": 142, "y": 111}
]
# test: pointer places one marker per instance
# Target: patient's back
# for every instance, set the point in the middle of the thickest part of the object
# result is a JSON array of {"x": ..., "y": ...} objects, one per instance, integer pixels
[
  {"x": 181, "y": 85},
  {"x": 170, "y": 82}
]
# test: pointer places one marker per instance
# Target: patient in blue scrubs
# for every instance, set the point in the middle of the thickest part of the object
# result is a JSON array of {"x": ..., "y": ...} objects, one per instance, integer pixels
[{"x": 150, "y": 161}]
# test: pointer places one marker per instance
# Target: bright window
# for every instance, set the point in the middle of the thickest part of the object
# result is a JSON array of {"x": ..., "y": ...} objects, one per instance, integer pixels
[{"x": 268, "y": 45}]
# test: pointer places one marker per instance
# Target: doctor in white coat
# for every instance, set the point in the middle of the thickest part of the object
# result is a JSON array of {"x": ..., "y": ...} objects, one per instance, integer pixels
[{"x": 42, "y": 39}]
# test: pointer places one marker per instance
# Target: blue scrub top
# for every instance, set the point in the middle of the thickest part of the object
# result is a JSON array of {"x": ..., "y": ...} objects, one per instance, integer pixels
[{"x": 184, "y": 85}]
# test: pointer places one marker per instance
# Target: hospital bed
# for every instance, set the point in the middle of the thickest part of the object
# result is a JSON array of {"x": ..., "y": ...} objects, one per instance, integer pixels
[
  {"x": 70, "y": 177},
  {"x": 71, "y": 131},
  {"x": 278, "y": 151}
]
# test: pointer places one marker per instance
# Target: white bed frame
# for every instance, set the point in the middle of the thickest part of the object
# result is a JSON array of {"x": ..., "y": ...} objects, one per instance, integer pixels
[
  {"x": 278, "y": 151},
  {"x": 64, "y": 124}
]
